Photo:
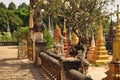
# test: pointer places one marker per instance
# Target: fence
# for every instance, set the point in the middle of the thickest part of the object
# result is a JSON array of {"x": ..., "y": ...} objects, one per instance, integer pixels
[
  {"x": 61, "y": 68},
  {"x": 8, "y": 43}
]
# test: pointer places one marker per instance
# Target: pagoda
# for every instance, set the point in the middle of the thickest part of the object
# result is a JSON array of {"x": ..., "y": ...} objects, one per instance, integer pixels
[
  {"x": 109, "y": 38},
  {"x": 91, "y": 50},
  {"x": 66, "y": 41},
  {"x": 101, "y": 54},
  {"x": 114, "y": 66}
]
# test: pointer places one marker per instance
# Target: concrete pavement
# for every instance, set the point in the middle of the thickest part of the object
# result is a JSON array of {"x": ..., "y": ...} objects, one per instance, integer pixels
[{"x": 11, "y": 68}]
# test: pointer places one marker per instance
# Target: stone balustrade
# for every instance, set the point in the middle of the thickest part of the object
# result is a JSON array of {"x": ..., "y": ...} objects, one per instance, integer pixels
[
  {"x": 76, "y": 75},
  {"x": 59, "y": 68},
  {"x": 8, "y": 43},
  {"x": 51, "y": 66}
]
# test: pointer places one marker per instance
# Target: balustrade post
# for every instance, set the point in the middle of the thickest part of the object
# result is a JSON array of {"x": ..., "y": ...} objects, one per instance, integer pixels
[
  {"x": 66, "y": 64},
  {"x": 39, "y": 47}
]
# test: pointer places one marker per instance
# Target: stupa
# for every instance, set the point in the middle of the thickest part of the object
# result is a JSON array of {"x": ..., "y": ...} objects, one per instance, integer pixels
[
  {"x": 101, "y": 54},
  {"x": 75, "y": 38},
  {"x": 114, "y": 66},
  {"x": 66, "y": 41},
  {"x": 91, "y": 50}
]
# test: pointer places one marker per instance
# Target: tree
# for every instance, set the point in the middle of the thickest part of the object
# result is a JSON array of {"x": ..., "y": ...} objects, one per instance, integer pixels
[
  {"x": 23, "y": 32},
  {"x": 14, "y": 21},
  {"x": 2, "y": 5},
  {"x": 23, "y": 13},
  {"x": 80, "y": 14},
  {"x": 23, "y": 6},
  {"x": 3, "y": 19},
  {"x": 48, "y": 39},
  {"x": 6, "y": 17},
  {"x": 12, "y": 6}
]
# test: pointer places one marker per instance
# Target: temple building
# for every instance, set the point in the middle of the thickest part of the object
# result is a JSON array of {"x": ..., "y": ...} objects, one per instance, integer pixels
[{"x": 109, "y": 38}]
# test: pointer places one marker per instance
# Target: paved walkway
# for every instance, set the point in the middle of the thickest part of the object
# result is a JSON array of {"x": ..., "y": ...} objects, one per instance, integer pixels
[
  {"x": 97, "y": 73},
  {"x": 11, "y": 68}
]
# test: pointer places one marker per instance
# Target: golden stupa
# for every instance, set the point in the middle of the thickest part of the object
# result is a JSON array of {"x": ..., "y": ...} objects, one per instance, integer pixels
[
  {"x": 101, "y": 54},
  {"x": 114, "y": 67},
  {"x": 75, "y": 38}
]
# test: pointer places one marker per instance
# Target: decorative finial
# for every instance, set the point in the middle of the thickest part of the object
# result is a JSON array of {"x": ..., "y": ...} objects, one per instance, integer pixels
[
  {"x": 100, "y": 22},
  {"x": 117, "y": 14},
  {"x": 64, "y": 31}
]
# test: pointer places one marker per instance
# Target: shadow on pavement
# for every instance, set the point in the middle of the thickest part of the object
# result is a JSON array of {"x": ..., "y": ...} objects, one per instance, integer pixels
[{"x": 14, "y": 69}]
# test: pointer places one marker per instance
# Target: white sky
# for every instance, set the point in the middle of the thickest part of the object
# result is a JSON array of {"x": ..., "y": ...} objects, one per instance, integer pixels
[
  {"x": 113, "y": 8},
  {"x": 17, "y": 2}
]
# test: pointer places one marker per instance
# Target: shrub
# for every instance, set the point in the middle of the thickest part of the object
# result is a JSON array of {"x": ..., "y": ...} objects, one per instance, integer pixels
[{"x": 48, "y": 39}]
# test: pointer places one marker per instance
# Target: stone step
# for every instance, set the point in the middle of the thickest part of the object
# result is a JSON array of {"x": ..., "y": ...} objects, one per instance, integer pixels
[
  {"x": 105, "y": 57},
  {"x": 102, "y": 62},
  {"x": 102, "y": 52}
]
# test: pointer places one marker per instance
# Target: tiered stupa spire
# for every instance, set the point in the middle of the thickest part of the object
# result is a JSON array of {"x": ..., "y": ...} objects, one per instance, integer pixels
[
  {"x": 116, "y": 41},
  {"x": 66, "y": 41},
  {"x": 64, "y": 29},
  {"x": 114, "y": 66},
  {"x": 101, "y": 54},
  {"x": 91, "y": 50}
]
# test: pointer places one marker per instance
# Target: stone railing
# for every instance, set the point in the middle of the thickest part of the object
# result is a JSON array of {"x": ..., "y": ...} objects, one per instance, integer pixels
[
  {"x": 61, "y": 68},
  {"x": 51, "y": 66},
  {"x": 76, "y": 75},
  {"x": 8, "y": 43}
]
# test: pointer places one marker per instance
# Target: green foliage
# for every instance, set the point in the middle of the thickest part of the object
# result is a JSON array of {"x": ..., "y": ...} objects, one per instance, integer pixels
[
  {"x": 5, "y": 37},
  {"x": 95, "y": 65},
  {"x": 22, "y": 33},
  {"x": 23, "y": 14},
  {"x": 23, "y": 6},
  {"x": 48, "y": 39},
  {"x": 7, "y": 16},
  {"x": 3, "y": 19},
  {"x": 11, "y": 6},
  {"x": 14, "y": 21},
  {"x": 2, "y": 5}
]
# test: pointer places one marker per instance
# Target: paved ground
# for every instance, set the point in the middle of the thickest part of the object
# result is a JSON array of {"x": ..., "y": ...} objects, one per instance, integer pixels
[
  {"x": 97, "y": 73},
  {"x": 11, "y": 68}
]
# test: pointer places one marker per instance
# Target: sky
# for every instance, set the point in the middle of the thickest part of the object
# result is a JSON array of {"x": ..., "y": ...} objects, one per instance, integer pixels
[{"x": 18, "y": 2}]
